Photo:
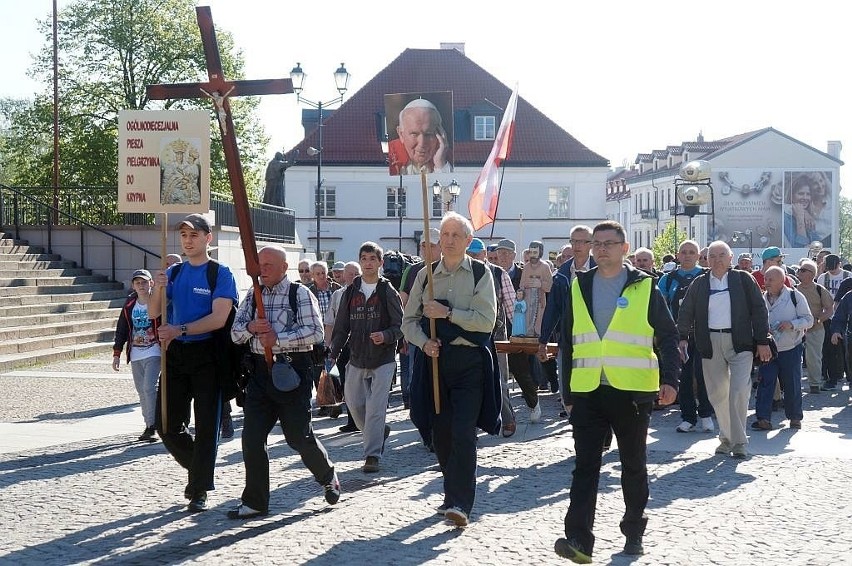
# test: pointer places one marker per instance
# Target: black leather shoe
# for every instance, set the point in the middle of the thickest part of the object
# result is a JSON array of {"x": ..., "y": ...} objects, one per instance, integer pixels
[
  {"x": 198, "y": 503},
  {"x": 633, "y": 546},
  {"x": 243, "y": 512},
  {"x": 349, "y": 427}
]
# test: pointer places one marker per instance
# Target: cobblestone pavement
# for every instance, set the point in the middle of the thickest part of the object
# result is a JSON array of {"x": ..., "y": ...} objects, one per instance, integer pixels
[{"x": 88, "y": 495}]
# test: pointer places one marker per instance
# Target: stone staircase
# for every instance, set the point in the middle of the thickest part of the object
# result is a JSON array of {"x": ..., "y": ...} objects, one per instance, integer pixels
[{"x": 51, "y": 309}]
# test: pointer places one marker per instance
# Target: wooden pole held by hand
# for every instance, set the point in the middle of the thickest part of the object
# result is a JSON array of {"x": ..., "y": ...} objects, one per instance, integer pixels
[
  {"x": 430, "y": 289},
  {"x": 163, "y": 397}
]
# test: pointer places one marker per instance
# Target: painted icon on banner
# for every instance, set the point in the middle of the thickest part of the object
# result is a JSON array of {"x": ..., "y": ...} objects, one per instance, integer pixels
[
  {"x": 163, "y": 161},
  {"x": 180, "y": 172}
]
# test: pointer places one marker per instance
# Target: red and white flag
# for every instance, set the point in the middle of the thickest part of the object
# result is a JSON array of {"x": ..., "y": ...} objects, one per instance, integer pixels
[{"x": 486, "y": 189}]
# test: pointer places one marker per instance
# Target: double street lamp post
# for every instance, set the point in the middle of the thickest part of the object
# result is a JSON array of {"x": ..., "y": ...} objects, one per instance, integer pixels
[
  {"x": 448, "y": 193},
  {"x": 341, "y": 80}
]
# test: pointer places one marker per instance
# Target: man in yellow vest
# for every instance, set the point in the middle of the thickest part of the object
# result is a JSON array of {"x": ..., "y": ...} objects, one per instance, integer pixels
[{"x": 614, "y": 315}]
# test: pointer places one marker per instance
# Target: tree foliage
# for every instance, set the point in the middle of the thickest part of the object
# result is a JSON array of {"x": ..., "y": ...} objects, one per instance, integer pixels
[
  {"x": 109, "y": 50},
  {"x": 668, "y": 241},
  {"x": 845, "y": 227}
]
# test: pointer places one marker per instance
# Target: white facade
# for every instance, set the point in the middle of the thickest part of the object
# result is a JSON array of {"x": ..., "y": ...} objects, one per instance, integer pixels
[
  {"x": 764, "y": 165},
  {"x": 536, "y": 204}
]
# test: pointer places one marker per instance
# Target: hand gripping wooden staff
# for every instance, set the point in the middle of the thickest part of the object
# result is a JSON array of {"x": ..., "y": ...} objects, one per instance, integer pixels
[{"x": 430, "y": 289}]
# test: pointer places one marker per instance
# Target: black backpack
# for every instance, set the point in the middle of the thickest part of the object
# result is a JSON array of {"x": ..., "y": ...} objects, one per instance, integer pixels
[
  {"x": 683, "y": 283},
  {"x": 394, "y": 265}
]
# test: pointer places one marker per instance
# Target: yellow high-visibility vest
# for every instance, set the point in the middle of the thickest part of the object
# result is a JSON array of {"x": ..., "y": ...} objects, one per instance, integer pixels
[{"x": 626, "y": 351}]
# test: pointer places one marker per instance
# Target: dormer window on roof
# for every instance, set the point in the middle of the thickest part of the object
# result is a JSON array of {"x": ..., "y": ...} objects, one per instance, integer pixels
[{"x": 484, "y": 128}]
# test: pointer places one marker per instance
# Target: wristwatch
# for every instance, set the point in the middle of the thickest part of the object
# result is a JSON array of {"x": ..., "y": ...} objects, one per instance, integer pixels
[{"x": 183, "y": 330}]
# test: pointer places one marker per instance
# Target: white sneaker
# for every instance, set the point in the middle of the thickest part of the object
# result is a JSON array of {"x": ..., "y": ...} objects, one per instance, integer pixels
[
  {"x": 706, "y": 425},
  {"x": 535, "y": 414},
  {"x": 685, "y": 426}
]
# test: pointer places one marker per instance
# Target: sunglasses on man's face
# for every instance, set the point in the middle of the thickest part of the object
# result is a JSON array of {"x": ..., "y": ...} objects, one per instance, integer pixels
[{"x": 304, "y": 271}]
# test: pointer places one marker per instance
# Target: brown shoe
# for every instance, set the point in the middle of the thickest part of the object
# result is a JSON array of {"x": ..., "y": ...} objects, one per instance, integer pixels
[
  {"x": 795, "y": 423},
  {"x": 509, "y": 429},
  {"x": 761, "y": 424},
  {"x": 371, "y": 466}
]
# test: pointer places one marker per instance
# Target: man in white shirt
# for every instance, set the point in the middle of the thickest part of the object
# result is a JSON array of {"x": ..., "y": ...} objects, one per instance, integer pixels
[{"x": 725, "y": 312}]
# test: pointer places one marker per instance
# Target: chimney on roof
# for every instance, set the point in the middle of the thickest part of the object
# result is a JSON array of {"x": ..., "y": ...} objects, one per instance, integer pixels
[
  {"x": 700, "y": 137},
  {"x": 458, "y": 46},
  {"x": 834, "y": 148}
]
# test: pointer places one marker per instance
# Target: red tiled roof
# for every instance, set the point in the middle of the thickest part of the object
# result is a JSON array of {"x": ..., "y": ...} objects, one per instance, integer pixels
[{"x": 350, "y": 134}]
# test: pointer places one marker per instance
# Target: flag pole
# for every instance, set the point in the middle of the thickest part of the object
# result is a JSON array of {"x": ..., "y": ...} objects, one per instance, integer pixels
[
  {"x": 499, "y": 192},
  {"x": 430, "y": 289}
]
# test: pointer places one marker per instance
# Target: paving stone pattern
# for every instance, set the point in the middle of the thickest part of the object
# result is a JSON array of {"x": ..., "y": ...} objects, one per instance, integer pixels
[{"x": 116, "y": 500}]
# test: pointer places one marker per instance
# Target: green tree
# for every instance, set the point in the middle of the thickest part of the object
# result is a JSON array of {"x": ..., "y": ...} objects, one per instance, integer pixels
[
  {"x": 109, "y": 50},
  {"x": 668, "y": 241},
  {"x": 845, "y": 244}
]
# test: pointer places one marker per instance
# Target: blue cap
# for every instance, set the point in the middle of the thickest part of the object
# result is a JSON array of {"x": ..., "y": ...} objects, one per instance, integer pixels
[
  {"x": 770, "y": 253},
  {"x": 476, "y": 246}
]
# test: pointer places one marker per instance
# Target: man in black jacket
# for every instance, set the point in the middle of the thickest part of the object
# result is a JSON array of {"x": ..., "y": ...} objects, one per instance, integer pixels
[
  {"x": 614, "y": 315},
  {"x": 725, "y": 312}
]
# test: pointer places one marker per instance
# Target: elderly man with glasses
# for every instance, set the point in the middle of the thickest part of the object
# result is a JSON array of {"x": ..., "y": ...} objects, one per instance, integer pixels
[
  {"x": 581, "y": 260},
  {"x": 305, "y": 272}
]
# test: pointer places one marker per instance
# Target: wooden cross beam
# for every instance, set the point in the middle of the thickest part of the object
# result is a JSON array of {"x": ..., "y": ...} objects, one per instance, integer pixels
[{"x": 219, "y": 90}]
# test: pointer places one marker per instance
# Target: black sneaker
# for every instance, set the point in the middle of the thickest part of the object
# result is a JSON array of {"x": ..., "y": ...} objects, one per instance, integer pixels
[
  {"x": 633, "y": 546},
  {"x": 148, "y": 434},
  {"x": 349, "y": 427},
  {"x": 572, "y": 550},
  {"x": 332, "y": 490},
  {"x": 198, "y": 502},
  {"x": 829, "y": 387}
]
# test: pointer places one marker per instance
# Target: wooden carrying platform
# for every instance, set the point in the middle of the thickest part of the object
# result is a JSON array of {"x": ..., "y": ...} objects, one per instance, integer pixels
[{"x": 524, "y": 346}]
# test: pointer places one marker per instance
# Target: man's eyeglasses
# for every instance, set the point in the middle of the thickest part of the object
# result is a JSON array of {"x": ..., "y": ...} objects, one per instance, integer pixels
[
  {"x": 304, "y": 271},
  {"x": 801, "y": 269},
  {"x": 574, "y": 242},
  {"x": 608, "y": 244}
]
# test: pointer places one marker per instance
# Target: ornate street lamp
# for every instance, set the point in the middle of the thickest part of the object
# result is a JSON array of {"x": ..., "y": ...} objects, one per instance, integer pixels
[
  {"x": 341, "y": 81},
  {"x": 449, "y": 193}
]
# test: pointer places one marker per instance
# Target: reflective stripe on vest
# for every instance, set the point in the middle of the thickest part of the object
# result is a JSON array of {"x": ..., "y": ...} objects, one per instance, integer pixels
[{"x": 625, "y": 352}]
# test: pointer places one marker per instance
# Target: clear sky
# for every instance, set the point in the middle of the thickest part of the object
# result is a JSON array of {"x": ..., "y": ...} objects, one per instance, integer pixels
[{"x": 623, "y": 77}]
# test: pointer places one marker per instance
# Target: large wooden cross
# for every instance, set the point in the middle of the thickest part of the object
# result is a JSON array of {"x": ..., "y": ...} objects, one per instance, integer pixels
[{"x": 219, "y": 90}]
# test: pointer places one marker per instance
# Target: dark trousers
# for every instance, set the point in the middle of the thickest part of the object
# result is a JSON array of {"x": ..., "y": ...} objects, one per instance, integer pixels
[
  {"x": 264, "y": 407},
  {"x": 519, "y": 365},
  {"x": 191, "y": 377},
  {"x": 592, "y": 417},
  {"x": 454, "y": 430},
  {"x": 832, "y": 358},
  {"x": 692, "y": 388}
]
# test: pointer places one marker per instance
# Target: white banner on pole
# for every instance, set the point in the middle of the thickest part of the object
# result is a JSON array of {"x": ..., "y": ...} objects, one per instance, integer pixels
[{"x": 164, "y": 161}]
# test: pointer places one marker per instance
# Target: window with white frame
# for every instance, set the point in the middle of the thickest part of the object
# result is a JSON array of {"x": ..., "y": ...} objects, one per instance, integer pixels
[
  {"x": 437, "y": 206},
  {"x": 557, "y": 202},
  {"x": 395, "y": 202},
  {"x": 327, "y": 201},
  {"x": 484, "y": 127}
]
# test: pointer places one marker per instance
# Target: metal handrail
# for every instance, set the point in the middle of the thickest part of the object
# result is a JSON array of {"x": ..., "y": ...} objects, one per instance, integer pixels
[{"x": 82, "y": 223}]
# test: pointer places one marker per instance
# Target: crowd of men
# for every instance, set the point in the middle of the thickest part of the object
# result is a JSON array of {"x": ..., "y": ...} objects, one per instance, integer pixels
[{"x": 633, "y": 334}]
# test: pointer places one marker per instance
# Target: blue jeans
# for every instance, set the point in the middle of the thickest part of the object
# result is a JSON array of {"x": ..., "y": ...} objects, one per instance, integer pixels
[{"x": 788, "y": 368}]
